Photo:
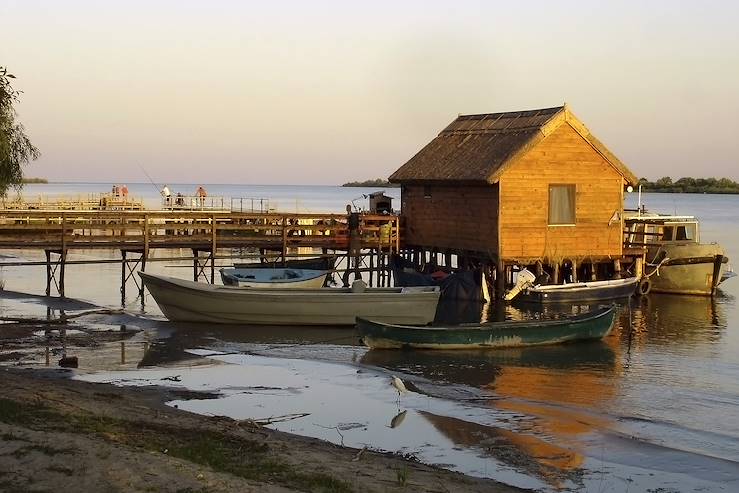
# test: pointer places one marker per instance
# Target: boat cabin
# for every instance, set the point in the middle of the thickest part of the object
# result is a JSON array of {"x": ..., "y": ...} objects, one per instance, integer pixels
[{"x": 656, "y": 230}]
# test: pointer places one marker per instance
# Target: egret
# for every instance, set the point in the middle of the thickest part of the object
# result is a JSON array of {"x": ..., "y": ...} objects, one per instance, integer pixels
[{"x": 399, "y": 386}]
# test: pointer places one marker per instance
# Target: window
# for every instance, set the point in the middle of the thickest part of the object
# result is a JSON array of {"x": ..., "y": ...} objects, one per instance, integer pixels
[
  {"x": 667, "y": 233},
  {"x": 561, "y": 204}
]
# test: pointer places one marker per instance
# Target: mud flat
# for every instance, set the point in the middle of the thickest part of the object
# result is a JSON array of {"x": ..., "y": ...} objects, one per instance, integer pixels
[{"x": 61, "y": 435}]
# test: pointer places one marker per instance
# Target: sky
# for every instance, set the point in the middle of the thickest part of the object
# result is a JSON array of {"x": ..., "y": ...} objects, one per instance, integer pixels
[{"x": 314, "y": 92}]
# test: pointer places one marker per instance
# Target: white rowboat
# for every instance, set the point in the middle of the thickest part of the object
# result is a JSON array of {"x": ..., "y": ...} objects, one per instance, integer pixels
[{"x": 187, "y": 301}]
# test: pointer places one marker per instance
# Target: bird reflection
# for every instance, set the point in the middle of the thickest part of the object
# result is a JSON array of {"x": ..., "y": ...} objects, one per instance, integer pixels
[{"x": 398, "y": 419}]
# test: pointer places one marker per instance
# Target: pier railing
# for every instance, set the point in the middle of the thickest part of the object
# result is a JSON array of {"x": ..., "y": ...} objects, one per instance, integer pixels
[{"x": 139, "y": 230}]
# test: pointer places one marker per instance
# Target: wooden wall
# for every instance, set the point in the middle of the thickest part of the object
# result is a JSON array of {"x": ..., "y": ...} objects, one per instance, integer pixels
[
  {"x": 452, "y": 217},
  {"x": 563, "y": 157}
]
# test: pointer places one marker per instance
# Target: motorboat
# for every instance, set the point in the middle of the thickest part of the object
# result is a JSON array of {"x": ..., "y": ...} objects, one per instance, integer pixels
[{"x": 676, "y": 260}]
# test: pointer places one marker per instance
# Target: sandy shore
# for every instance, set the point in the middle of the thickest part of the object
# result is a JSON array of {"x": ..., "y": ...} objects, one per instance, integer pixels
[{"x": 63, "y": 435}]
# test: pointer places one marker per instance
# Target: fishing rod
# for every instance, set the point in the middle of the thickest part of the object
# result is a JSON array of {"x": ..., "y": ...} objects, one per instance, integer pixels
[{"x": 150, "y": 180}]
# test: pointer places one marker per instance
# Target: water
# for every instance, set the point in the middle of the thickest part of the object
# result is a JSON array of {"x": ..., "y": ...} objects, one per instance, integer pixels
[
  {"x": 655, "y": 405},
  {"x": 283, "y": 198}
]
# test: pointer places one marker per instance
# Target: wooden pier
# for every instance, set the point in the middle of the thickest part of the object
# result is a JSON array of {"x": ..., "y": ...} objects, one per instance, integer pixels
[{"x": 136, "y": 233}]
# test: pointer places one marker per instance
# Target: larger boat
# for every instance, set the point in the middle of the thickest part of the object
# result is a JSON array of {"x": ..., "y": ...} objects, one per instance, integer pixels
[
  {"x": 676, "y": 260},
  {"x": 187, "y": 301}
]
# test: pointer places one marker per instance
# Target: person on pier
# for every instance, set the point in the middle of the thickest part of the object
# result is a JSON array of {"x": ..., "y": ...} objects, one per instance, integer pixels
[
  {"x": 167, "y": 196},
  {"x": 201, "y": 193}
]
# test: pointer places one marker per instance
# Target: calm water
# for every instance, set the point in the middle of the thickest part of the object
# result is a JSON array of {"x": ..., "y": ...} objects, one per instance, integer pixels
[{"x": 656, "y": 405}]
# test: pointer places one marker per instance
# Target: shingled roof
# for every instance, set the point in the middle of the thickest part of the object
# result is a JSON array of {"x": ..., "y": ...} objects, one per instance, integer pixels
[{"x": 476, "y": 148}]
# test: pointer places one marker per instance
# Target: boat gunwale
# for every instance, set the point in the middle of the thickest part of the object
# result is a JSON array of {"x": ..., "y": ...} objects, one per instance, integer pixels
[
  {"x": 573, "y": 287},
  {"x": 215, "y": 289}
]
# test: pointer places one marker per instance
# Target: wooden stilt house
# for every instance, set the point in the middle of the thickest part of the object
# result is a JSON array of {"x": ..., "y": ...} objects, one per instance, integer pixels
[{"x": 522, "y": 187}]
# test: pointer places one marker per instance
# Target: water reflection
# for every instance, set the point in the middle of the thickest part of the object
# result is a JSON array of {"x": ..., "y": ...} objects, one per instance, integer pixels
[
  {"x": 481, "y": 368},
  {"x": 554, "y": 464}
]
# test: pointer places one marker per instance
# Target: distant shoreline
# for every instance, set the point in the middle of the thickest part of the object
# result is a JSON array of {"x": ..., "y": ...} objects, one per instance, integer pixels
[
  {"x": 379, "y": 182},
  {"x": 35, "y": 180}
]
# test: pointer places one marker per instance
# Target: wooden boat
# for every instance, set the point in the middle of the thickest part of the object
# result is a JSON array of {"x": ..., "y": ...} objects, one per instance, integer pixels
[
  {"x": 677, "y": 262},
  {"x": 580, "y": 291},
  {"x": 318, "y": 263},
  {"x": 274, "y": 278},
  {"x": 595, "y": 324},
  {"x": 188, "y": 301}
]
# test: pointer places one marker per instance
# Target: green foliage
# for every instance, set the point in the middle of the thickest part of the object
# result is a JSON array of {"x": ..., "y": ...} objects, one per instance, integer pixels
[
  {"x": 378, "y": 182},
  {"x": 690, "y": 185},
  {"x": 16, "y": 149}
]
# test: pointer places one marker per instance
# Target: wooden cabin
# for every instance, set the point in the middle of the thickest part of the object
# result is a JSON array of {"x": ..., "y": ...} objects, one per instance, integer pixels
[{"x": 522, "y": 187}]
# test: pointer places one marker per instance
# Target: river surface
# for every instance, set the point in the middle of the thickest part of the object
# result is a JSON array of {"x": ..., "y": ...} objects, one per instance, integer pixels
[{"x": 654, "y": 407}]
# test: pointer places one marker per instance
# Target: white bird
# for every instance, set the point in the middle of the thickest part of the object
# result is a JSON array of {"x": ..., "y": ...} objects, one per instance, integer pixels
[{"x": 399, "y": 386}]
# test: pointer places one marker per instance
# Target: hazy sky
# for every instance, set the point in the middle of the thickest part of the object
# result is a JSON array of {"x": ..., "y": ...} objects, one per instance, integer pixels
[{"x": 325, "y": 92}]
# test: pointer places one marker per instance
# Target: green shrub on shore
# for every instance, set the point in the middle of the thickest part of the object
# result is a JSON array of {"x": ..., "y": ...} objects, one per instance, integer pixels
[
  {"x": 377, "y": 182},
  {"x": 690, "y": 185}
]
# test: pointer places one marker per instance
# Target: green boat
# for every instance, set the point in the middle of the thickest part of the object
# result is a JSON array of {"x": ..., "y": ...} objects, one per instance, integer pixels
[{"x": 594, "y": 324}]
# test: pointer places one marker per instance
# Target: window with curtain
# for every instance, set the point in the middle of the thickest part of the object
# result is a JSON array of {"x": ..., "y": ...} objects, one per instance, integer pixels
[{"x": 561, "y": 204}]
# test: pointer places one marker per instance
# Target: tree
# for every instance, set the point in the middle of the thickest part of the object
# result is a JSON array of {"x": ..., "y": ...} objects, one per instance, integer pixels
[{"x": 16, "y": 149}]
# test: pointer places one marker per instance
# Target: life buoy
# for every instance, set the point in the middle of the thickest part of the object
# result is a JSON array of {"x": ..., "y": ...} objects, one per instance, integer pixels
[{"x": 645, "y": 286}]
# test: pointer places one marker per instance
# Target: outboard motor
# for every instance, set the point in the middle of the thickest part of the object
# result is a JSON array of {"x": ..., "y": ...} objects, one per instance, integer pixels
[{"x": 525, "y": 279}]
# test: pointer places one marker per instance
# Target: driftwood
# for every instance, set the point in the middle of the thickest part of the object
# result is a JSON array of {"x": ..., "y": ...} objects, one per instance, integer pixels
[{"x": 274, "y": 419}]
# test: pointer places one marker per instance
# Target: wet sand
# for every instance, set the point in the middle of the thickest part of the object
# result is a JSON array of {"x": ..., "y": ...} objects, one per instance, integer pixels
[{"x": 63, "y": 434}]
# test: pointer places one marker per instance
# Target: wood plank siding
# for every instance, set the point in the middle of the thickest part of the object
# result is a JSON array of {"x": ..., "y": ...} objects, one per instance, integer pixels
[
  {"x": 487, "y": 180},
  {"x": 451, "y": 217},
  {"x": 562, "y": 157}
]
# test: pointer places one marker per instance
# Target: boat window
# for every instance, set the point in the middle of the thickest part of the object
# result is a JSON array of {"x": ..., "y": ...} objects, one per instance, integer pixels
[
  {"x": 667, "y": 233},
  {"x": 685, "y": 232},
  {"x": 561, "y": 204}
]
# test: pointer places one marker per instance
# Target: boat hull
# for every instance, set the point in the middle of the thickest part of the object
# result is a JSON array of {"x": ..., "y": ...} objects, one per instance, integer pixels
[
  {"x": 187, "y": 301},
  {"x": 592, "y": 325},
  {"x": 273, "y": 278},
  {"x": 690, "y": 269},
  {"x": 580, "y": 292}
]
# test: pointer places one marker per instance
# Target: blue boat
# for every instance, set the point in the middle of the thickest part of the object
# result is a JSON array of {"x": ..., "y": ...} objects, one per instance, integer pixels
[{"x": 274, "y": 278}]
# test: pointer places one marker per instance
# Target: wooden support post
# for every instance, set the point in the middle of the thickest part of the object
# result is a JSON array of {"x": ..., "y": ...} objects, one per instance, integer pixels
[
  {"x": 48, "y": 272},
  {"x": 556, "y": 274},
  {"x": 123, "y": 277},
  {"x": 284, "y": 241},
  {"x": 574, "y": 271},
  {"x": 63, "y": 256},
  {"x": 372, "y": 267},
  {"x": 593, "y": 271},
  {"x": 617, "y": 268},
  {"x": 500, "y": 280},
  {"x": 213, "y": 247}
]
